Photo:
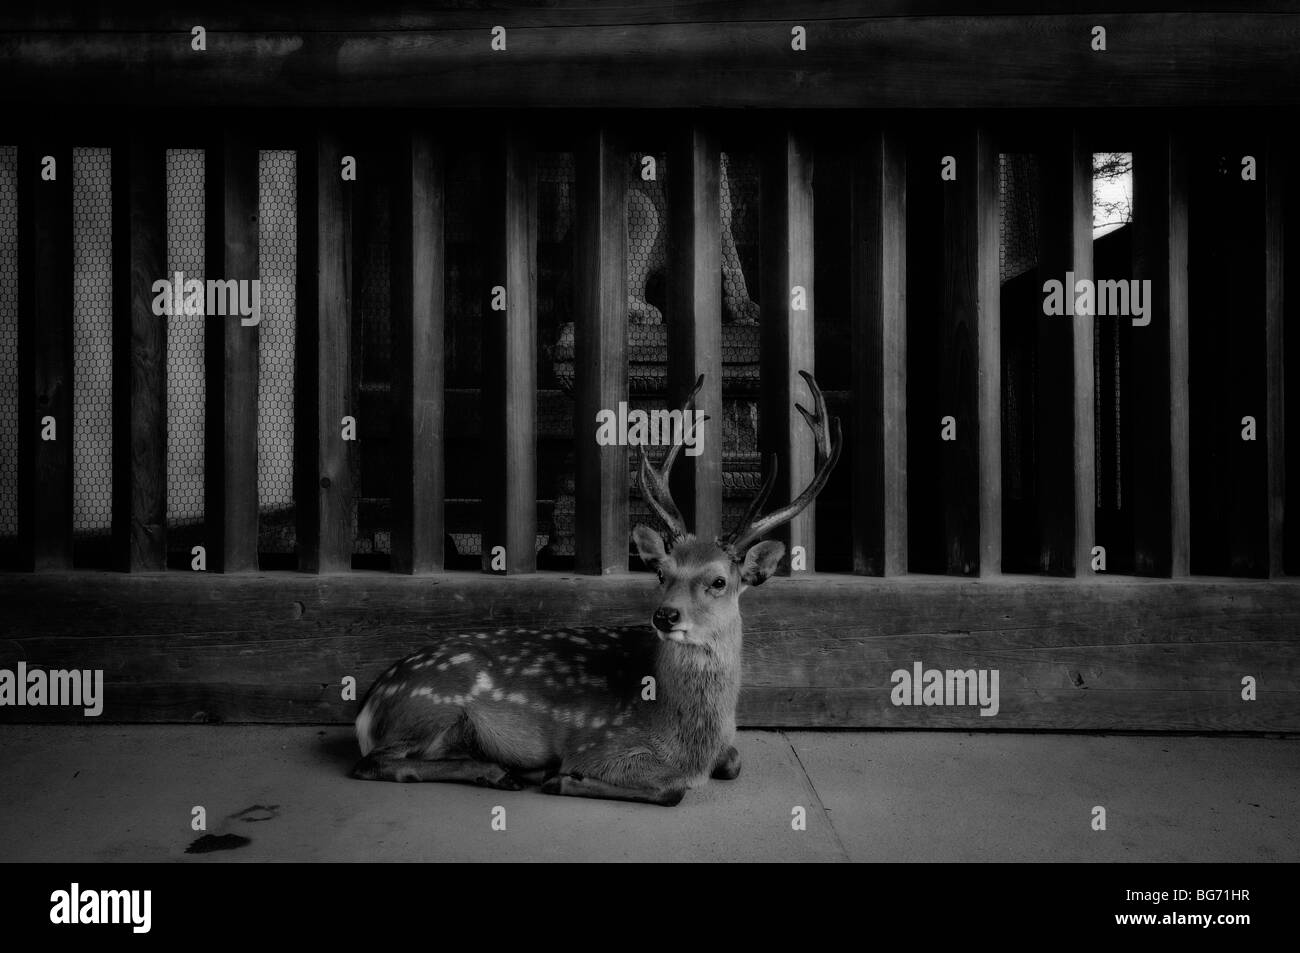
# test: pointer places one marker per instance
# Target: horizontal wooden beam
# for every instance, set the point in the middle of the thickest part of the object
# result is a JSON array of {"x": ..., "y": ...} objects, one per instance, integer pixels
[
  {"x": 1117, "y": 654},
  {"x": 1151, "y": 59},
  {"x": 398, "y": 15}
]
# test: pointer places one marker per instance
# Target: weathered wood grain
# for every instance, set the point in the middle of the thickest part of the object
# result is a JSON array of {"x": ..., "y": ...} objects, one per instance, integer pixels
[
  {"x": 418, "y": 316},
  {"x": 878, "y": 314},
  {"x": 600, "y": 339},
  {"x": 139, "y": 356},
  {"x": 1152, "y": 59},
  {"x": 695, "y": 317},
  {"x": 1115, "y": 654}
]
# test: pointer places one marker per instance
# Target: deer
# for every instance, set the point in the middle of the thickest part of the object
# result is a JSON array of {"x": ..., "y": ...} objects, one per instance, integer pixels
[{"x": 629, "y": 713}]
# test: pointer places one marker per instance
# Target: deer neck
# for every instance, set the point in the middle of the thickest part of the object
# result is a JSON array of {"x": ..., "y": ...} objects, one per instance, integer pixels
[{"x": 698, "y": 686}]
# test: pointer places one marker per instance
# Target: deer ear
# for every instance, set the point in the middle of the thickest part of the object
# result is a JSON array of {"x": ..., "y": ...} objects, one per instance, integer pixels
[
  {"x": 761, "y": 561},
  {"x": 650, "y": 545}
]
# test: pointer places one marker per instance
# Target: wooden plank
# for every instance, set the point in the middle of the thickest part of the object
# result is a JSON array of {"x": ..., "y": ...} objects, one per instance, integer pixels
[
  {"x": 324, "y": 381},
  {"x": 695, "y": 317},
  {"x": 1118, "y": 654},
  {"x": 878, "y": 313},
  {"x": 970, "y": 372},
  {"x": 45, "y": 361},
  {"x": 509, "y": 383},
  {"x": 231, "y": 359},
  {"x": 1063, "y": 399},
  {"x": 139, "y": 355},
  {"x": 600, "y": 350},
  {"x": 786, "y": 333},
  {"x": 418, "y": 296},
  {"x": 1275, "y": 207},
  {"x": 988, "y": 324},
  {"x": 399, "y": 15},
  {"x": 950, "y": 61},
  {"x": 1085, "y": 381},
  {"x": 1161, "y": 498}
]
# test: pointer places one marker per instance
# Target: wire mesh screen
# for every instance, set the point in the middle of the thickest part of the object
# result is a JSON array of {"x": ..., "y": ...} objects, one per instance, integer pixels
[
  {"x": 186, "y": 387},
  {"x": 1018, "y": 251},
  {"x": 8, "y": 340},
  {"x": 92, "y": 342},
  {"x": 277, "y": 270},
  {"x": 372, "y": 364},
  {"x": 555, "y": 272}
]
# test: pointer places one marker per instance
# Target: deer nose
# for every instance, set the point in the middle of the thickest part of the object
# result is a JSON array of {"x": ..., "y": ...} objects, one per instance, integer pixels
[{"x": 665, "y": 618}]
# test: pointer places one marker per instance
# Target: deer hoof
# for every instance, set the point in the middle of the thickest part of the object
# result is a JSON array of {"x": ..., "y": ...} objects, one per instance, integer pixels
[
  {"x": 367, "y": 769},
  {"x": 501, "y": 779},
  {"x": 671, "y": 797},
  {"x": 553, "y": 785}
]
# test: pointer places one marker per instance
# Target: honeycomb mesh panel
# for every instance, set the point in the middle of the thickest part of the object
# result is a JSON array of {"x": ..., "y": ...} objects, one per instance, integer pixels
[
  {"x": 277, "y": 238},
  {"x": 92, "y": 342},
  {"x": 8, "y": 340},
  {"x": 186, "y": 384},
  {"x": 1018, "y": 208},
  {"x": 555, "y": 438}
]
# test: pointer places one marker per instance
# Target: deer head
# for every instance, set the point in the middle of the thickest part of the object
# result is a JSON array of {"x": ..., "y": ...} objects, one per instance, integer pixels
[{"x": 701, "y": 580}]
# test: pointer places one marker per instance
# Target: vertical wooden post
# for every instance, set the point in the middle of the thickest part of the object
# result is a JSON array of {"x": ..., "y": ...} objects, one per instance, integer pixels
[
  {"x": 787, "y": 330},
  {"x": 231, "y": 358},
  {"x": 1064, "y": 411},
  {"x": 970, "y": 376},
  {"x": 988, "y": 322},
  {"x": 45, "y": 354},
  {"x": 878, "y": 313},
  {"x": 1275, "y": 199},
  {"x": 1161, "y": 499},
  {"x": 509, "y": 394},
  {"x": 323, "y": 393},
  {"x": 1085, "y": 380},
  {"x": 418, "y": 296},
  {"x": 600, "y": 339},
  {"x": 695, "y": 318},
  {"x": 139, "y": 355}
]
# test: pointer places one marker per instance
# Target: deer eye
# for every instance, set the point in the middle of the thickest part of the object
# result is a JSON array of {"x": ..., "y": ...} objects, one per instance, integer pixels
[{"x": 720, "y": 583}]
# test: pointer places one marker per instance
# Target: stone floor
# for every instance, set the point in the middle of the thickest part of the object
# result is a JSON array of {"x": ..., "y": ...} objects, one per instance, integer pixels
[{"x": 127, "y": 793}]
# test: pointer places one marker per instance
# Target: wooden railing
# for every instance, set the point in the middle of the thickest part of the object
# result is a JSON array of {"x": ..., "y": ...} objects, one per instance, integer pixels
[{"x": 1164, "y": 653}]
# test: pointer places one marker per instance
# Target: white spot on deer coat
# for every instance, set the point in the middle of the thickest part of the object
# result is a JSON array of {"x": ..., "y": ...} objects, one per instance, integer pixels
[{"x": 461, "y": 659}]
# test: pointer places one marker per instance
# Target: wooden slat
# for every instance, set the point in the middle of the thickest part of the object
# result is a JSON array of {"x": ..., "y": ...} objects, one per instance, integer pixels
[
  {"x": 418, "y": 296},
  {"x": 1085, "y": 381},
  {"x": 1275, "y": 204},
  {"x": 600, "y": 349},
  {"x": 139, "y": 355},
  {"x": 1119, "y": 654},
  {"x": 45, "y": 355},
  {"x": 231, "y": 359},
  {"x": 786, "y": 335},
  {"x": 1064, "y": 481},
  {"x": 878, "y": 313},
  {"x": 1161, "y": 498},
  {"x": 969, "y": 378},
  {"x": 324, "y": 384},
  {"x": 695, "y": 318},
  {"x": 509, "y": 383},
  {"x": 950, "y": 61},
  {"x": 394, "y": 15},
  {"x": 988, "y": 321}
]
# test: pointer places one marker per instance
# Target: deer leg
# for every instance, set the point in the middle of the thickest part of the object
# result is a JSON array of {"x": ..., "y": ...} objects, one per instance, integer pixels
[
  {"x": 577, "y": 785},
  {"x": 382, "y": 766},
  {"x": 727, "y": 767}
]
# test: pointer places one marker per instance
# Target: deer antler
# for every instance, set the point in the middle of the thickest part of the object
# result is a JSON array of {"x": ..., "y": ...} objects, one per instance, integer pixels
[
  {"x": 829, "y": 444},
  {"x": 654, "y": 483}
]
